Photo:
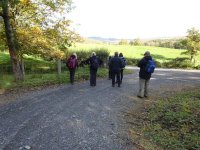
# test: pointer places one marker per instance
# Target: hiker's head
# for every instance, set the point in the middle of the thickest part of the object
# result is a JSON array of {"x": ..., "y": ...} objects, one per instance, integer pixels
[
  {"x": 120, "y": 55},
  {"x": 93, "y": 54},
  {"x": 147, "y": 53},
  {"x": 116, "y": 54},
  {"x": 75, "y": 55}
]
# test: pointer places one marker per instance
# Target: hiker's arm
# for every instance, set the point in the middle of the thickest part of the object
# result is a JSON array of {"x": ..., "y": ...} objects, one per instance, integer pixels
[
  {"x": 140, "y": 63},
  {"x": 87, "y": 61}
]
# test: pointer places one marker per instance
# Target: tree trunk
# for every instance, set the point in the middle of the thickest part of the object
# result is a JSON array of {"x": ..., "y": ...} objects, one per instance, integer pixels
[
  {"x": 15, "y": 61},
  {"x": 22, "y": 64}
]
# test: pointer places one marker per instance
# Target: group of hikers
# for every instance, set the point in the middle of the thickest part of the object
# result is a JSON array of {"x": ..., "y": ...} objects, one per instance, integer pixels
[{"x": 116, "y": 65}]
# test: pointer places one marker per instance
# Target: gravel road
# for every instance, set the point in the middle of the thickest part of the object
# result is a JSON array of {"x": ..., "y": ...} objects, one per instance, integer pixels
[{"x": 81, "y": 117}]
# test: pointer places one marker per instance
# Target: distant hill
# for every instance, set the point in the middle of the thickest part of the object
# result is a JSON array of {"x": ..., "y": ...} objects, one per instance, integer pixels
[
  {"x": 105, "y": 40},
  {"x": 97, "y": 39}
]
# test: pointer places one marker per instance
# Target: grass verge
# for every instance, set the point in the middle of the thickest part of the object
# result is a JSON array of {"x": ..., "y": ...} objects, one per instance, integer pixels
[
  {"x": 171, "y": 123},
  {"x": 35, "y": 80}
]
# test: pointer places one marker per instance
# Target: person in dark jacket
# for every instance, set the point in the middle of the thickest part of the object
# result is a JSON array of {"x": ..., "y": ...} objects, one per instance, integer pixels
[
  {"x": 115, "y": 67},
  {"x": 144, "y": 77},
  {"x": 123, "y": 66},
  {"x": 72, "y": 64},
  {"x": 94, "y": 63},
  {"x": 109, "y": 71}
]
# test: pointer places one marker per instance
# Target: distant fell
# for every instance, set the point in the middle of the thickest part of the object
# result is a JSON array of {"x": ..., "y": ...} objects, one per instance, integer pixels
[
  {"x": 105, "y": 40},
  {"x": 116, "y": 40}
]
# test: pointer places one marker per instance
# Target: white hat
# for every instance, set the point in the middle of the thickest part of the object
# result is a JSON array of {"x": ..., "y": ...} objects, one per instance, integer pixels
[{"x": 93, "y": 54}]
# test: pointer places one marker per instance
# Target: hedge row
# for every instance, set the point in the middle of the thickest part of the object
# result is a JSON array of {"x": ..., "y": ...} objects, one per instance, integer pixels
[
  {"x": 175, "y": 63},
  {"x": 102, "y": 53}
]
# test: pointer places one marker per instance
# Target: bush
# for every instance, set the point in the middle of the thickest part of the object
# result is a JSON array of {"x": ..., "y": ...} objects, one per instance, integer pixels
[
  {"x": 197, "y": 67},
  {"x": 132, "y": 61},
  {"x": 82, "y": 55},
  {"x": 178, "y": 63}
]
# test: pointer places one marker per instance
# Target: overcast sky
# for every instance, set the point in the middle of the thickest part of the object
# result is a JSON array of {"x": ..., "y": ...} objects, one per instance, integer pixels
[{"x": 135, "y": 18}]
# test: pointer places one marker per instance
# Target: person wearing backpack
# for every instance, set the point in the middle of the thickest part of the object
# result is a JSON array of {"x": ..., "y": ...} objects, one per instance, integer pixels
[
  {"x": 115, "y": 67},
  {"x": 72, "y": 64},
  {"x": 147, "y": 66},
  {"x": 109, "y": 71},
  {"x": 94, "y": 63},
  {"x": 123, "y": 66}
]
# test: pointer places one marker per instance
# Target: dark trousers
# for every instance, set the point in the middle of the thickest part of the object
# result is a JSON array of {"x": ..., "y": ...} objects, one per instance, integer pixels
[
  {"x": 72, "y": 74},
  {"x": 93, "y": 74},
  {"x": 121, "y": 74},
  {"x": 114, "y": 74},
  {"x": 109, "y": 74}
]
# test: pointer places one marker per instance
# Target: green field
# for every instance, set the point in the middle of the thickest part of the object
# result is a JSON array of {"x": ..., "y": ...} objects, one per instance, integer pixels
[{"x": 136, "y": 52}]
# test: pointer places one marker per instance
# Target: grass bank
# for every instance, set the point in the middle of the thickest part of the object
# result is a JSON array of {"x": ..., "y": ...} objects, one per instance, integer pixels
[
  {"x": 172, "y": 123},
  {"x": 35, "y": 80}
]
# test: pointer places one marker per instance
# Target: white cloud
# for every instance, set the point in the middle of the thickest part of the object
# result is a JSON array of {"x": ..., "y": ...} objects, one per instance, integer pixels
[{"x": 135, "y": 18}]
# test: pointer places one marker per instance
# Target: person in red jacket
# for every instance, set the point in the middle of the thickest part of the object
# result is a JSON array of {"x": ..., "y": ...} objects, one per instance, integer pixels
[{"x": 72, "y": 64}]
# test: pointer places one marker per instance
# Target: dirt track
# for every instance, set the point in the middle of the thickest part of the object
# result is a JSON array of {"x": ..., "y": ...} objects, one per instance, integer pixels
[{"x": 80, "y": 116}]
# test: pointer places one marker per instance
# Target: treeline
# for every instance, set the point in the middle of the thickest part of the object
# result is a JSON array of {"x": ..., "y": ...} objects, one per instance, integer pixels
[{"x": 167, "y": 43}]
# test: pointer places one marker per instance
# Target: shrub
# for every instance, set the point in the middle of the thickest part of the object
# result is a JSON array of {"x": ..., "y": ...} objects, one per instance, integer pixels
[
  {"x": 132, "y": 61},
  {"x": 102, "y": 53},
  {"x": 178, "y": 63}
]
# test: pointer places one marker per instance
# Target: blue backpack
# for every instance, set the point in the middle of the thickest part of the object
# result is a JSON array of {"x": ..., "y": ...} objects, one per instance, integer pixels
[
  {"x": 150, "y": 67},
  {"x": 123, "y": 62}
]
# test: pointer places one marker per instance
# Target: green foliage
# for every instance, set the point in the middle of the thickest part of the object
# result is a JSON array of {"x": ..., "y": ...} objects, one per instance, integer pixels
[
  {"x": 32, "y": 64},
  {"x": 193, "y": 43},
  {"x": 181, "y": 62},
  {"x": 103, "y": 54},
  {"x": 123, "y": 42},
  {"x": 174, "y": 123},
  {"x": 83, "y": 54},
  {"x": 132, "y": 61},
  {"x": 31, "y": 19},
  {"x": 136, "y": 42}
]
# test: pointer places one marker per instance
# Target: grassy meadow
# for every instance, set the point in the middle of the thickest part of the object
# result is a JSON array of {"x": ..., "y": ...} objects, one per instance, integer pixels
[{"x": 161, "y": 55}]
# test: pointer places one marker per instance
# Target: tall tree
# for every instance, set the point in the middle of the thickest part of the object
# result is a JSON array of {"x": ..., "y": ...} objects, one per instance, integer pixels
[
  {"x": 16, "y": 64},
  {"x": 34, "y": 27},
  {"x": 193, "y": 43}
]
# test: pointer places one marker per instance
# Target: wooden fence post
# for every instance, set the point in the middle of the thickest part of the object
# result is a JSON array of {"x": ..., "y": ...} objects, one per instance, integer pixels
[{"x": 59, "y": 66}]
